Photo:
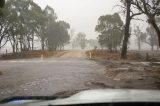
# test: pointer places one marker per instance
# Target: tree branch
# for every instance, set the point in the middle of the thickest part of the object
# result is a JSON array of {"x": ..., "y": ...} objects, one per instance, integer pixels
[
  {"x": 4, "y": 43},
  {"x": 119, "y": 6},
  {"x": 138, "y": 19},
  {"x": 135, "y": 14}
]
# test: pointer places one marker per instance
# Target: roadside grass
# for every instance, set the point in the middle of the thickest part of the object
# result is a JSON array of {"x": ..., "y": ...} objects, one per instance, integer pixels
[
  {"x": 135, "y": 75},
  {"x": 132, "y": 55},
  {"x": 31, "y": 54},
  {"x": 103, "y": 54},
  {"x": 140, "y": 71}
]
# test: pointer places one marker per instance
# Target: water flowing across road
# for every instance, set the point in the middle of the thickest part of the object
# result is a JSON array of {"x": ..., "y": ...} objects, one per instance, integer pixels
[{"x": 36, "y": 77}]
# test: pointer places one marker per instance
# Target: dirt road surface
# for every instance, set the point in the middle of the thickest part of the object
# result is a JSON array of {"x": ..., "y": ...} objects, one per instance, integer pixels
[
  {"x": 37, "y": 77},
  {"x": 74, "y": 54}
]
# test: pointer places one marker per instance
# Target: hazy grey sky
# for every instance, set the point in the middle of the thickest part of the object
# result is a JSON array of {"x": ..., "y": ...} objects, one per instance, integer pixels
[{"x": 81, "y": 14}]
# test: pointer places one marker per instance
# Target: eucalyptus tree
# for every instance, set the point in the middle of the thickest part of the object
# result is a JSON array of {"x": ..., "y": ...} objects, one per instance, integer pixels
[
  {"x": 110, "y": 29},
  {"x": 140, "y": 37},
  {"x": 50, "y": 29},
  {"x": 64, "y": 35},
  {"x": 56, "y": 32},
  {"x": 152, "y": 38},
  {"x": 81, "y": 40},
  {"x": 2, "y": 3},
  {"x": 3, "y": 31},
  {"x": 130, "y": 14},
  {"x": 34, "y": 22},
  {"x": 15, "y": 25},
  {"x": 3, "y": 35},
  {"x": 58, "y": 35},
  {"x": 151, "y": 8},
  {"x": 25, "y": 20}
]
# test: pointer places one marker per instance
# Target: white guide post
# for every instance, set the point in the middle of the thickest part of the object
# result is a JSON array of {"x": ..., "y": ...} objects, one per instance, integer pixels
[
  {"x": 90, "y": 55},
  {"x": 41, "y": 57}
]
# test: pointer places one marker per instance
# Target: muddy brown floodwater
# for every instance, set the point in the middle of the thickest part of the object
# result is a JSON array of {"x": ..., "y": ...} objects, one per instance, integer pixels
[
  {"x": 36, "y": 77},
  {"x": 70, "y": 72}
]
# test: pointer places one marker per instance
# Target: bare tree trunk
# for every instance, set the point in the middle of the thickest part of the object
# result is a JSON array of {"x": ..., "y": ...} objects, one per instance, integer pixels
[
  {"x": 21, "y": 46},
  {"x": 16, "y": 45},
  {"x": 152, "y": 47},
  {"x": 139, "y": 44},
  {"x": 32, "y": 42},
  {"x": 152, "y": 43},
  {"x": 127, "y": 25},
  {"x": 13, "y": 47},
  {"x": 155, "y": 26},
  {"x": 42, "y": 43},
  {"x": 0, "y": 43},
  {"x": 29, "y": 46}
]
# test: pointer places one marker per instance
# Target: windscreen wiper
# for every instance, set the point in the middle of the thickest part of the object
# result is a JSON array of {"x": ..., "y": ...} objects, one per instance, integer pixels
[
  {"x": 63, "y": 94},
  {"x": 19, "y": 98}
]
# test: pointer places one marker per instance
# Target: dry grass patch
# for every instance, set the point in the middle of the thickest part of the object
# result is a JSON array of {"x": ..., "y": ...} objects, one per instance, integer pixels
[
  {"x": 30, "y": 54},
  {"x": 131, "y": 55},
  {"x": 103, "y": 54}
]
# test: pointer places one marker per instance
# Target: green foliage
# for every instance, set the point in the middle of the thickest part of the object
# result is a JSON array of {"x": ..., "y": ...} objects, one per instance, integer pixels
[
  {"x": 93, "y": 43},
  {"x": 2, "y": 3},
  {"x": 57, "y": 35},
  {"x": 24, "y": 21},
  {"x": 110, "y": 29},
  {"x": 151, "y": 8},
  {"x": 152, "y": 38},
  {"x": 81, "y": 40},
  {"x": 141, "y": 37}
]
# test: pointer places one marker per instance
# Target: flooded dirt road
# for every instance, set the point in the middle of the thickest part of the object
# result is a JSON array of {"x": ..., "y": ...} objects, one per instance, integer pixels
[{"x": 37, "y": 77}]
